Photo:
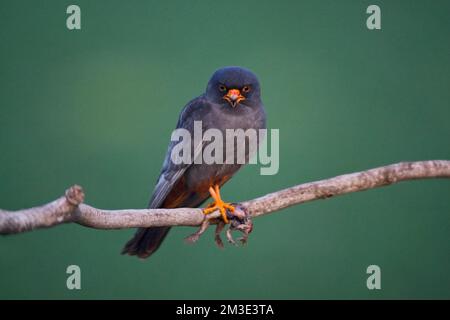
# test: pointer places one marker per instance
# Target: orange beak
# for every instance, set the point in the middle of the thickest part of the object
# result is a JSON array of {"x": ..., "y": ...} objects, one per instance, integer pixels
[{"x": 233, "y": 97}]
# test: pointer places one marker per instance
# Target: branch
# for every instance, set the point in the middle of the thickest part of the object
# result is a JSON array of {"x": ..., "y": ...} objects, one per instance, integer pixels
[{"x": 70, "y": 208}]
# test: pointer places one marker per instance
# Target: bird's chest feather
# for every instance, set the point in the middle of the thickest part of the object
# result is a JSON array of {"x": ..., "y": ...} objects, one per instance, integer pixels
[{"x": 200, "y": 176}]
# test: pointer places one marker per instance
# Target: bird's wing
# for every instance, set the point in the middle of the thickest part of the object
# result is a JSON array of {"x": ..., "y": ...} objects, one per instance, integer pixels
[{"x": 172, "y": 172}]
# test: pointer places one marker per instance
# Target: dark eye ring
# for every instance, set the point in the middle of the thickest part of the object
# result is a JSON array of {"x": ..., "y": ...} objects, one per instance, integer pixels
[
  {"x": 222, "y": 88},
  {"x": 246, "y": 89}
]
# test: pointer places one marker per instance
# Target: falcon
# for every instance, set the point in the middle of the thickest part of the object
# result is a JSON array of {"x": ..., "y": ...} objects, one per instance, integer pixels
[{"x": 232, "y": 100}]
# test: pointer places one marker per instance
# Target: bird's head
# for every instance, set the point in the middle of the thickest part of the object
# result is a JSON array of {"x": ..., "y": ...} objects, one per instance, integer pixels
[{"x": 234, "y": 86}]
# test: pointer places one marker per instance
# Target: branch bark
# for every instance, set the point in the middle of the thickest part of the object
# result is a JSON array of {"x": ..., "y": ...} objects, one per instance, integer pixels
[{"x": 69, "y": 208}]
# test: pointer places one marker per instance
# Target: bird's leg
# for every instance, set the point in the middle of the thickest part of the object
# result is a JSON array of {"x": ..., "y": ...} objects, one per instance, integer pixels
[{"x": 218, "y": 204}]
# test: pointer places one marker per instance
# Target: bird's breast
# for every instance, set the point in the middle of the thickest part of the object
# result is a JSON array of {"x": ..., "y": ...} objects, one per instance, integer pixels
[{"x": 234, "y": 151}]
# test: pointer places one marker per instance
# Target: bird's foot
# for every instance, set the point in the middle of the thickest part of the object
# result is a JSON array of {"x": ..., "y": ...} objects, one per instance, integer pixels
[
  {"x": 218, "y": 204},
  {"x": 223, "y": 207},
  {"x": 239, "y": 221}
]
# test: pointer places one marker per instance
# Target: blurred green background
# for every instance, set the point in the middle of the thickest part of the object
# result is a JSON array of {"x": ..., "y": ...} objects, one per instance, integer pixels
[{"x": 96, "y": 107}]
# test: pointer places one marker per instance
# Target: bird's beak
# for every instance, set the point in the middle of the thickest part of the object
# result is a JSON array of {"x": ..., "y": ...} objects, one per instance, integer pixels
[{"x": 233, "y": 97}]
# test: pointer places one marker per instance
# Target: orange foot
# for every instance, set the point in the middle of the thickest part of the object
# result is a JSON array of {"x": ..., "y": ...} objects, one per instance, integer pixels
[{"x": 218, "y": 204}]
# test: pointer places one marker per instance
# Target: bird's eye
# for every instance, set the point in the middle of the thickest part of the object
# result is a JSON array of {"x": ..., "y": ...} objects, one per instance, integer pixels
[
  {"x": 246, "y": 89},
  {"x": 222, "y": 88}
]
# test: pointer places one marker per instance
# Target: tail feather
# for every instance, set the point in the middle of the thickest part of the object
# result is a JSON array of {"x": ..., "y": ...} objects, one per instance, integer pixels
[{"x": 146, "y": 241}]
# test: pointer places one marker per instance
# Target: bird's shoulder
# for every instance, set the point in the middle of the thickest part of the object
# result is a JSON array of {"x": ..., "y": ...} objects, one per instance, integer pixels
[{"x": 194, "y": 110}]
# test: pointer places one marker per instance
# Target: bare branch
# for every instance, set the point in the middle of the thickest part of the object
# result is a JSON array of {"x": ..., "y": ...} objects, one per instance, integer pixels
[{"x": 69, "y": 208}]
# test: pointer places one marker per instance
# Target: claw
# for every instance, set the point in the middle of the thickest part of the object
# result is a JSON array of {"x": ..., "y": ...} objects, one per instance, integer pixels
[
  {"x": 218, "y": 204},
  {"x": 239, "y": 221}
]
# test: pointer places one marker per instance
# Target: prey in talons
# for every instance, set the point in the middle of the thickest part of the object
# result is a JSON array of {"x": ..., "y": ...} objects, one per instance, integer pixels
[{"x": 238, "y": 220}]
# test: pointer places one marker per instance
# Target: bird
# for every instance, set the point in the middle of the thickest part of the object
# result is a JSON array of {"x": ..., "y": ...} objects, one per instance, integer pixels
[{"x": 232, "y": 100}]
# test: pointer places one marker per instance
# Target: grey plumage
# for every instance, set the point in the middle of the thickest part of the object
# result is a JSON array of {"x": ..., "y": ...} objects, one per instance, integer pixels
[{"x": 186, "y": 185}]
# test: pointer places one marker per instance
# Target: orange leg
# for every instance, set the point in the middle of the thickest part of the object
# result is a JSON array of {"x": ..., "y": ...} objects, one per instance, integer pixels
[{"x": 218, "y": 204}]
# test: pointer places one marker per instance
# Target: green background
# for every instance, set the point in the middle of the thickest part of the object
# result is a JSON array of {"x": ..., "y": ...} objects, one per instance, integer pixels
[{"x": 96, "y": 107}]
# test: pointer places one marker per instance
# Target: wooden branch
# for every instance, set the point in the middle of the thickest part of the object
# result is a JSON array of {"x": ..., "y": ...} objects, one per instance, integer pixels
[{"x": 70, "y": 208}]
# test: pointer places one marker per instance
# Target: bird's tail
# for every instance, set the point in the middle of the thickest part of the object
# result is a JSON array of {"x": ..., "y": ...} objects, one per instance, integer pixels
[{"x": 146, "y": 241}]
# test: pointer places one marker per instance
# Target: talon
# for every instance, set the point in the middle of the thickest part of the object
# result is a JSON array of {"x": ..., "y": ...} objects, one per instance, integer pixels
[
  {"x": 210, "y": 205},
  {"x": 218, "y": 204}
]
